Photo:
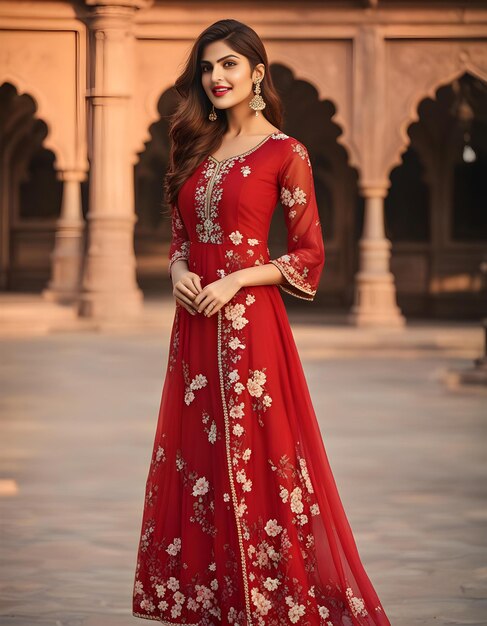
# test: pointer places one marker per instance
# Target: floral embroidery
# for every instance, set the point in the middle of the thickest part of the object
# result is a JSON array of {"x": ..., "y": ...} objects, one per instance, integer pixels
[
  {"x": 296, "y": 196},
  {"x": 209, "y": 192},
  {"x": 235, "y": 314},
  {"x": 179, "y": 248},
  {"x": 272, "y": 528},
  {"x": 236, "y": 237},
  {"x": 198, "y": 382},
  {"x": 296, "y": 611},
  {"x": 357, "y": 605},
  {"x": 174, "y": 547},
  {"x": 290, "y": 266},
  {"x": 256, "y": 388},
  {"x": 169, "y": 596},
  {"x": 212, "y": 432},
  {"x": 174, "y": 341},
  {"x": 262, "y": 604},
  {"x": 158, "y": 457},
  {"x": 200, "y": 489},
  {"x": 207, "y": 200},
  {"x": 300, "y": 268},
  {"x": 297, "y": 491},
  {"x": 235, "y": 343},
  {"x": 302, "y": 152}
]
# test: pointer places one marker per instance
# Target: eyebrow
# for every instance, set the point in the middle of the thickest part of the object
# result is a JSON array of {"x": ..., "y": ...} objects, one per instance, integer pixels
[{"x": 218, "y": 60}]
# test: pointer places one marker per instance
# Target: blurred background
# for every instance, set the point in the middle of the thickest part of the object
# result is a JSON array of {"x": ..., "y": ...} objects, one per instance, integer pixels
[{"x": 390, "y": 98}]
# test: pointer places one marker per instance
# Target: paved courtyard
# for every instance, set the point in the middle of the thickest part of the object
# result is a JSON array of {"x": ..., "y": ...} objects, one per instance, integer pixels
[{"x": 78, "y": 413}]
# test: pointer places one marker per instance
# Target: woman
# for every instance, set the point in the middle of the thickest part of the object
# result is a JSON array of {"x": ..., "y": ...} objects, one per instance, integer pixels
[{"x": 242, "y": 521}]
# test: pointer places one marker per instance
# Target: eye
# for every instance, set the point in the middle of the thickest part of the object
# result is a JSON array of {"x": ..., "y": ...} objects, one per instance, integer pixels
[{"x": 204, "y": 68}]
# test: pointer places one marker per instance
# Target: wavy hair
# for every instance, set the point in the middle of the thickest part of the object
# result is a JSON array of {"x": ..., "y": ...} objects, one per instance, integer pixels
[{"x": 192, "y": 135}]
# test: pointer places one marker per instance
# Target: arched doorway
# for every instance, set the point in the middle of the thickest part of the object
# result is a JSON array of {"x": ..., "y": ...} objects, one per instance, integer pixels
[
  {"x": 435, "y": 211},
  {"x": 31, "y": 198}
]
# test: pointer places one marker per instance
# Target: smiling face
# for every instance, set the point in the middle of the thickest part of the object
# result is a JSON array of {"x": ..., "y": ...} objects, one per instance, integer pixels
[{"x": 226, "y": 75}]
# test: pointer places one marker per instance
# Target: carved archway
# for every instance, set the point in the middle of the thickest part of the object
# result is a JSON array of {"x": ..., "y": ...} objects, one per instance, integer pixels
[
  {"x": 408, "y": 87},
  {"x": 438, "y": 239},
  {"x": 31, "y": 194}
]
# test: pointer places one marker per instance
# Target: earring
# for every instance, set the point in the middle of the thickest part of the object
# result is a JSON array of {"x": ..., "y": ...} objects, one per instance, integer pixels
[
  {"x": 212, "y": 116},
  {"x": 257, "y": 103}
]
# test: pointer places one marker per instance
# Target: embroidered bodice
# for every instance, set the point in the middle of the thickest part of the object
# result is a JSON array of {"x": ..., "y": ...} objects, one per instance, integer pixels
[{"x": 230, "y": 202}]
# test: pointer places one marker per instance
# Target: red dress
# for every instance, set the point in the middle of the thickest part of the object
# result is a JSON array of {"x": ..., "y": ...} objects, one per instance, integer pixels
[{"x": 242, "y": 523}]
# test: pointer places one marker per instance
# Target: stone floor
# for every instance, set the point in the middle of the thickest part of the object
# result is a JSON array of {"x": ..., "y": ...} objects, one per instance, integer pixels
[{"x": 77, "y": 418}]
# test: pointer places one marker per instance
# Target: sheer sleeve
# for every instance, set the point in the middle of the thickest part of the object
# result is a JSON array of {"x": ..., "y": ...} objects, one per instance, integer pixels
[
  {"x": 305, "y": 258},
  {"x": 179, "y": 248}
]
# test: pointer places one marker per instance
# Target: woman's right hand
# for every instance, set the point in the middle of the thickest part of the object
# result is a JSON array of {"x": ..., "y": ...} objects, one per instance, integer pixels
[{"x": 186, "y": 285}]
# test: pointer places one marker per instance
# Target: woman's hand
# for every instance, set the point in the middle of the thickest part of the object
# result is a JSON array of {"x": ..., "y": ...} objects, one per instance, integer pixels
[
  {"x": 186, "y": 286},
  {"x": 215, "y": 295}
]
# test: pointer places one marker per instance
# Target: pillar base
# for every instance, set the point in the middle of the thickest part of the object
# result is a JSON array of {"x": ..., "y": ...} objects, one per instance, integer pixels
[
  {"x": 60, "y": 296},
  {"x": 66, "y": 262},
  {"x": 375, "y": 302},
  {"x": 375, "y": 319},
  {"x": 111, "y": 306}
]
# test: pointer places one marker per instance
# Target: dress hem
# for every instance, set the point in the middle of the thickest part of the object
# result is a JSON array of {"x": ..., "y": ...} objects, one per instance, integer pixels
[{"x": 159, "y": 619}]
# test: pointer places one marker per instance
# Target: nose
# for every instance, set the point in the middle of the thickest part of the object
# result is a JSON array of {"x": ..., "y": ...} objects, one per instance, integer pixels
[{"x": 216, "y": 73}]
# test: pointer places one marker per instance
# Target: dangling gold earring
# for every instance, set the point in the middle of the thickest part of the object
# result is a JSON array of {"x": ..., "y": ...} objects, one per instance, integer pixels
[
  {"x": 212, "y": 116},
  {"x": 257, "y": 103}
]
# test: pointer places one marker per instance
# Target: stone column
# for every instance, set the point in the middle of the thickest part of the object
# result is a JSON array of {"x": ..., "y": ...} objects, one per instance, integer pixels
[
  {"x": 375, "y": 291},
  {"x": 67, "y": 256},
  {"x": 109, "y": 287}
]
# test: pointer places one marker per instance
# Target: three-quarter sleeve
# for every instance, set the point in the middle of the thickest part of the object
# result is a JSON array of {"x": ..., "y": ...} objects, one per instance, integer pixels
[
  {"x": 179, "y": 248},
  {"x": 305, "y": 258}
]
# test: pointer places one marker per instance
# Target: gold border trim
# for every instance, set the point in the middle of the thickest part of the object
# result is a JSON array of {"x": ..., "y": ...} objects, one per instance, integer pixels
[
  {"x": 158, "y": 619},
  {"x": 290, "y": 280},
  {"x": 209, "y": 190},
  {"x": 238, "y": 156},
  {"x": 230, "y": 474}
]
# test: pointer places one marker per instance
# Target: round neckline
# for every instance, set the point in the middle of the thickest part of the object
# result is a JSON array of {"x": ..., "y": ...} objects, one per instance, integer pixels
[{"x": 237, "y": 156}]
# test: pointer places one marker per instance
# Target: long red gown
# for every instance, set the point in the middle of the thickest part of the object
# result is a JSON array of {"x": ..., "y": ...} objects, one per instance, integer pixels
[{"x": 242, "y": 521}]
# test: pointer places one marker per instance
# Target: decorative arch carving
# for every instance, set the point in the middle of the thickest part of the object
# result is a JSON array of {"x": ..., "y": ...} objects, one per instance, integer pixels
[
  {"x": 42, "y": 113},
  {"x": 334, "y": 86},
  {"x": 148, "y": 115},
  {"x": 409, "y": 113}
]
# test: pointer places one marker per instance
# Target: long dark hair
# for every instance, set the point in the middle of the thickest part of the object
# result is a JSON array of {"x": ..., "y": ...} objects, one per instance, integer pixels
[{"x": 192, "y": 135}]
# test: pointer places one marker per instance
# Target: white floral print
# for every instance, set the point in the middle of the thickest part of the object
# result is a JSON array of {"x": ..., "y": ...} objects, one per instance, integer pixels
[
  {"x": 174, "y": 547},
  {"x": 236, "y": 237},
  {"x": 357, "y": 605},
  {"x": 289, "y": 198},
  {"x": 235, "y": 314},
  {"x": 201, "y": 487},
  {"x": 198, "y": 382},
  {"x": 272, "y": 528},
  {"x": 262, "y": 604}
]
